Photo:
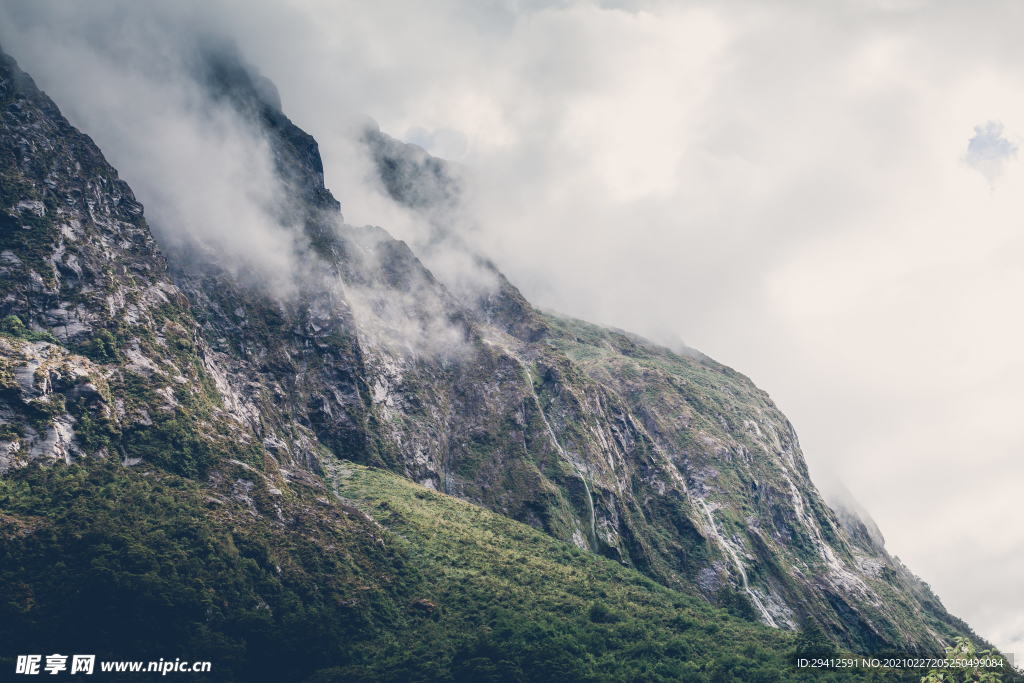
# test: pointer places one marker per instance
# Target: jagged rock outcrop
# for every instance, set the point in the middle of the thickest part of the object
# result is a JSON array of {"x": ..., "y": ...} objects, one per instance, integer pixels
[
  {"x": 673, "y": 464},
  {"x": 85, "y": 293}
]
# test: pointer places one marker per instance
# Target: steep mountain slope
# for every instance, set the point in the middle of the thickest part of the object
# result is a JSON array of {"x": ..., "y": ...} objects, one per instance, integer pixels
[
  {"x": 113, "y": 365},
  {"x": 685, "y": 469},
  {"x": 672, "y": 465}
]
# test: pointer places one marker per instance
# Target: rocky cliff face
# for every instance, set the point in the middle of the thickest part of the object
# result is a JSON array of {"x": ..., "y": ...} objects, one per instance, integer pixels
[
  {"x": 673, "y": 464},
  {"x": 90, "y": 309}
]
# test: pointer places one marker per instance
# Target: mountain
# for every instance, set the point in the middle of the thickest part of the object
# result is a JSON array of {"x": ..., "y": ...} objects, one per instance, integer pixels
[{"x": 181, "y": 436}]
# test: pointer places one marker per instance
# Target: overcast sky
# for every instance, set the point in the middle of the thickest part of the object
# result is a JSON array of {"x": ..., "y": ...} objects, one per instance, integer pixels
[{"x": 825, "y": 196}]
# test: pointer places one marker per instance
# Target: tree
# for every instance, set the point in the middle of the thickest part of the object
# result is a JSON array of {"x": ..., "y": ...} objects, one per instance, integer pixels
[
  {"x": 813, "y": 643},
  {"x": 964, "y": 665}
]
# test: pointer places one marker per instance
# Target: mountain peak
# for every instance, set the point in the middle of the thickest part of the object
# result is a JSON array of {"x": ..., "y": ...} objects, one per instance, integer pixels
[{"x": 668, "y": 464}]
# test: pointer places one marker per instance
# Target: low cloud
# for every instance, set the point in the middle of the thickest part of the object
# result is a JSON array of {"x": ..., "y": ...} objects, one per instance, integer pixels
[
  {"x": 156, "y": 86},
  {"x": 444, "y": 143},
  {"x": 131, "y": 75}
]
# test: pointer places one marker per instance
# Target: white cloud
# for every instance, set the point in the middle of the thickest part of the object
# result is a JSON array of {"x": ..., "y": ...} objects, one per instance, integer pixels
[
  {"x": 444, "y": 143},
  {"x": 200, "y": 169}
]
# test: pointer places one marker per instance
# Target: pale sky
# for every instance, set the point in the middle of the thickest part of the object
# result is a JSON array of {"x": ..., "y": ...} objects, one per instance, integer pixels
[{"x": 826, "y": 197}]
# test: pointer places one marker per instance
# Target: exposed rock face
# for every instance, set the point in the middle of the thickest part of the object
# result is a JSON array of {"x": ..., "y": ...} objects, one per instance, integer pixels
[
  {"x": 676, "y": 465},
  {"x": 83, "y": 272},
  {"x": 101, "y": 354}
]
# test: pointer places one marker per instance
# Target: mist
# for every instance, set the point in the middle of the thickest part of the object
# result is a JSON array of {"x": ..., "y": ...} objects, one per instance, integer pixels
[
  {"x": 132, "y": 77},
  {"x": 825, "y": 197}
]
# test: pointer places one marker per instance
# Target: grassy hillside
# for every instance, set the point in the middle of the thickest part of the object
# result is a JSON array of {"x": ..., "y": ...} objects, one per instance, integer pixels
[{"x": 386, "y": 581}]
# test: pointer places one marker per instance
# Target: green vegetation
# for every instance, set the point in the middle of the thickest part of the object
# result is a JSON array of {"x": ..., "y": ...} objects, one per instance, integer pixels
[
  {"x": 136, "y": 565},
  {"x": 730, "y": 439},
  {"x": 12, "y": 326},
  {"x": 391, "y": 582},
  {"x": 29, "y": 235},
  {"x": 102, "y": 348},
  {"x": 965, "y": 663}
]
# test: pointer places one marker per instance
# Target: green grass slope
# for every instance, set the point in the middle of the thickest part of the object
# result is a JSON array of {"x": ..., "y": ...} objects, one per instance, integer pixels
[{"x": 384, "y": 581}]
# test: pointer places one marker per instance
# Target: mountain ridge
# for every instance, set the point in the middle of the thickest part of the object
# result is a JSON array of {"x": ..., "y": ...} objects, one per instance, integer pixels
[{"x": 674, "y": 465}]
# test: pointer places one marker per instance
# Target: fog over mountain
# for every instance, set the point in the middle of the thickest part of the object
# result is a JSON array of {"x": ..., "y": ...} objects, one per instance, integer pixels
[{"x": 825, "y": 198}]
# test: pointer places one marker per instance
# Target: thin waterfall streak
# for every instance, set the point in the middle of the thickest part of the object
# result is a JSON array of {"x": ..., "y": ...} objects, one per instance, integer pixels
[
  {"x": 558, "y": 446},
  {"x": 739, "y": 565}
]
